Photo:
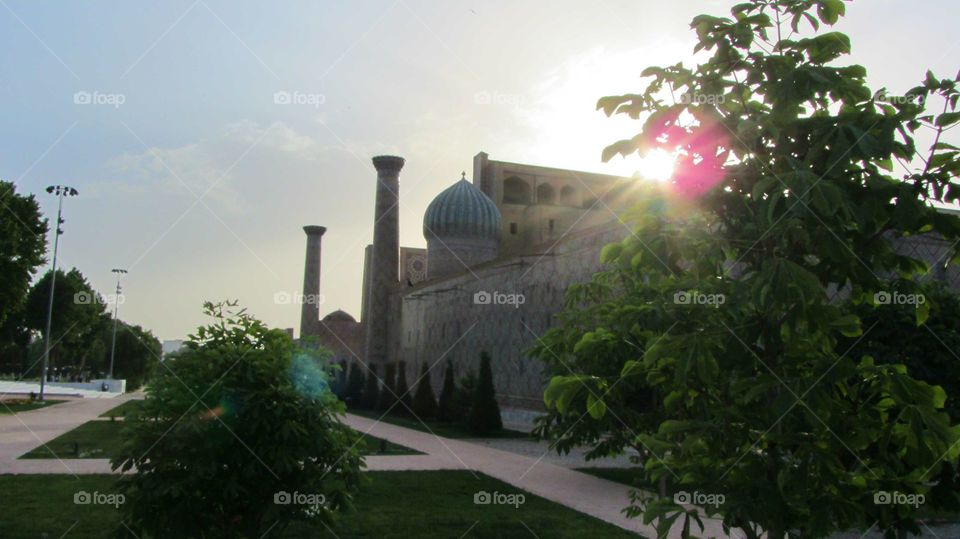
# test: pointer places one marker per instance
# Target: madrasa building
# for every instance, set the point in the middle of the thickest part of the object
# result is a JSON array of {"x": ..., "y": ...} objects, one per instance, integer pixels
[{"x": 501, "y": 251}]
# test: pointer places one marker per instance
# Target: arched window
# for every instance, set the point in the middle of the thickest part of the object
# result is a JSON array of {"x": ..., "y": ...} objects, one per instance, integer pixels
[
  {"x": 568, "y": 196},
  {"x": 516, "y": 191},
  {"x": 546, "y": 194}
]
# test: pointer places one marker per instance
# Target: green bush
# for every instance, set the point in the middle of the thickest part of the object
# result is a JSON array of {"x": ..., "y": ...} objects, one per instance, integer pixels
[
  {"x": 403, "y": 390},
  {"x": 424, "y": 403},
  {"x": 446, "y": 410},
  {"x": 231, "y": 427},
  {"x": 484, "y": 416},
  {"x": 371, "y": 391}
]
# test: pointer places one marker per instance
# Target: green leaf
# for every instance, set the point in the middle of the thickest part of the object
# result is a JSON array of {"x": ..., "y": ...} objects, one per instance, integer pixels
[
  {"x": 848, "y": 325},
  {"x": 830, "y": 11},
  {"x": 595, "y": 406},
  {"x": 947, "y": 119}
]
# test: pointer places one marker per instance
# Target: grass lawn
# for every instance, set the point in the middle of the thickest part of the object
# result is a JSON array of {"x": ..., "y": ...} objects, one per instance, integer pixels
[
  {"x": 391, "y": 505},
  {"x": 123, "y": 409},
  {"x": 13, "y": 406},
  {"x": 446, "y": 430},
  {"x": 102, "y": 439}
]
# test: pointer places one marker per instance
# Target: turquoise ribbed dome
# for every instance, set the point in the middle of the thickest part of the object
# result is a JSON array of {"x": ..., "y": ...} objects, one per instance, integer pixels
[{"x": 462, "y": 211}]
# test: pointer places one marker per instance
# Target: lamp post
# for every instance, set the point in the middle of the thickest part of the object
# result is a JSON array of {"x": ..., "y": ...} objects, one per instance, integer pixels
[
  {"x": 61, "y": 191},
  {"x": 116, "y": 307}
]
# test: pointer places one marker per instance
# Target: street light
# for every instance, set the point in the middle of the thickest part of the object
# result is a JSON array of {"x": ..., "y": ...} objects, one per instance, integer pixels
[
  {"x": 61, "y": 191},
  {"x": 116, "y": 307}
]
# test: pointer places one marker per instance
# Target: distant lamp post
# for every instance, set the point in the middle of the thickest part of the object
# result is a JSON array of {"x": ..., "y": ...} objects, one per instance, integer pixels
[
  {"x": 116, "y": 307},
  {"x": 62, "y": 191}
]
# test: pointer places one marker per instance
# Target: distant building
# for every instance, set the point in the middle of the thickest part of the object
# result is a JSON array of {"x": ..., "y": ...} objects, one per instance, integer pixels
[
  {"x": 501, "y": 252},
  {"x": 170, "y": 346}
]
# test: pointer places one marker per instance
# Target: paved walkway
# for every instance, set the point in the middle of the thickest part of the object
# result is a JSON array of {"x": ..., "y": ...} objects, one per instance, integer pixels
[
  {"x": 584, "y": 493},
  {"x": 23, "y": 431},
  {"x": 52, "y": 389}
]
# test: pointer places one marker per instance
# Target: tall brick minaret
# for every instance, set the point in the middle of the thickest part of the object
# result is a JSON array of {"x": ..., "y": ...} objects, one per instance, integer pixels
[
  {"x": 385, "y": 263},
  {"x": 309, "y": 307}
]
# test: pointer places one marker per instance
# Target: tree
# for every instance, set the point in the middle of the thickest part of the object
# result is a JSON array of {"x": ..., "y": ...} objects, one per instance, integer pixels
[
  {"x": 355, "y": 385},
  {"x": 424, "y": 403},
  {"x": 712, "y": 343},
  {"x": 446, "y": 410},
  {"x": 137, "y": 354},
  {"x": 484, "y": 416},
  {"x": 388, "y": 397},
  {"x": 238, "y": 436},
  {"x": 22, "y": 246},
  {"x": 371, "y": 391},
  {"x": 78, "y": 314},
  {"x": 403, "y": 390}
]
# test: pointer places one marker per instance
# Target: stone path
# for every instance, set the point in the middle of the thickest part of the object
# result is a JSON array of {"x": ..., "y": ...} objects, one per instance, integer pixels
[
  {"x": 584, "y": 493},
  {"x": 23, "y": 431}
]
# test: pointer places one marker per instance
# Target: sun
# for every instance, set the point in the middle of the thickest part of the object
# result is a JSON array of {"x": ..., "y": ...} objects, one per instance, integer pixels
[{"x": 656, "y": 165}]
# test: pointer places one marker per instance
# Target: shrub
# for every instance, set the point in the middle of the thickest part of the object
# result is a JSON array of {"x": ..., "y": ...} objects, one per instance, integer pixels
[
  {"x": 403, "y": 390},
  {"x": 388, "y": 391},
  {"x": 446, "y": 407},
  {"x": 371, "y": 391},
  {"x": 424, "y": 403},
  {"x": 484, "y": 416},
  {"x": 237, "y": 421}
]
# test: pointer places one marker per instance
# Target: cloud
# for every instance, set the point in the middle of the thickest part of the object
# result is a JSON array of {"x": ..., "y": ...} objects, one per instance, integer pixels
[{"x": 221, "y": 167}]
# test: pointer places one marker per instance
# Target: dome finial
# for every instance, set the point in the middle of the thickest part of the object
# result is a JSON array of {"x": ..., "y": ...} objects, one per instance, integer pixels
[{"x": 463, "y": 175}]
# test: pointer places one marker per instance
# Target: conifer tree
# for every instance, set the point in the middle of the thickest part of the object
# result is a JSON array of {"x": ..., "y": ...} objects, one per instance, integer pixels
[
  {"x": 424, "y": 403},
  {"x": 484, "y": 417}
]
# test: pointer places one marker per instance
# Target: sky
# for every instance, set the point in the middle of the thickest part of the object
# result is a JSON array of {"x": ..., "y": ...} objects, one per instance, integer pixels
[{"x": 203, "y": 134}]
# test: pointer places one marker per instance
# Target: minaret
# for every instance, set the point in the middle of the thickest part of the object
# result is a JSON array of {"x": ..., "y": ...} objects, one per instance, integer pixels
[
  {"x": 310, "y": 307},
  {"x": 385, "y": 263}
]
